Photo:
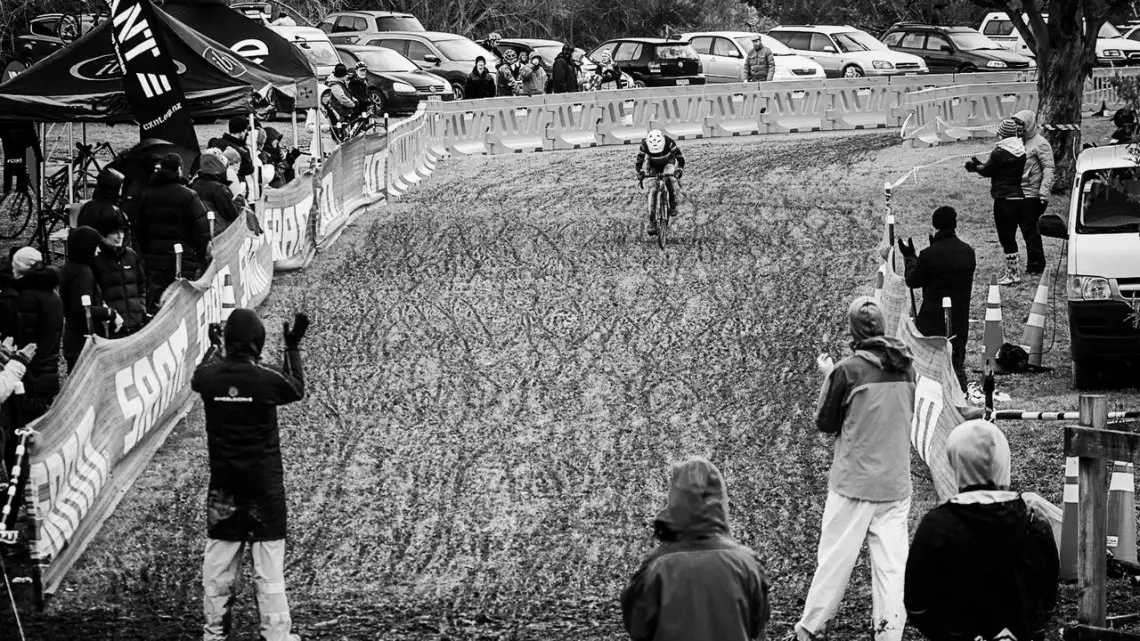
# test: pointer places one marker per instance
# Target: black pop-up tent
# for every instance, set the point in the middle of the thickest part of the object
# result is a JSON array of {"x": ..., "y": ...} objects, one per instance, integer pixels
[
  {"x": 249, "y": 39},
  {"x": 83, "y": 81}
]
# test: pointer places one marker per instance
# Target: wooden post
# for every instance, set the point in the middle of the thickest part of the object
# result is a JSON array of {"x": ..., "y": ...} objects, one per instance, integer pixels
[{"x": 1092, "y": 564}]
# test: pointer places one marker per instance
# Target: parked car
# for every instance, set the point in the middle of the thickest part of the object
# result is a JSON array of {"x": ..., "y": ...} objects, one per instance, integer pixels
[
  {"x": 314, "y": 44},
  {"x": 263, "y": 12},
  {"x": 395, "y": 84},
  {"x": 51, "y": 32},
  {"x": 1112, "y": 49},
  {"x": 1130, "y": 31},
  {"x": 847, "y": 52},
  {"x": 444, "y": 54},
  {"x": 724, "y": 54},
  {"x": 351, "y": 27},
  {"x": 953, "y": 49},
  {"x": 654, "y": 62}
]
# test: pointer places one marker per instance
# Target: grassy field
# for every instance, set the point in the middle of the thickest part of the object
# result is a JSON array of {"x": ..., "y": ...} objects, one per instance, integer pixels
[{"x": 501, "y": 369}]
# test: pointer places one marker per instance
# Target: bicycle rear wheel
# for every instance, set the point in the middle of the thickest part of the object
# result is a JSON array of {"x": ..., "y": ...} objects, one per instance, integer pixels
[
  {"x": 662, "y": 216},
  {"x": 15, "y": 213}
]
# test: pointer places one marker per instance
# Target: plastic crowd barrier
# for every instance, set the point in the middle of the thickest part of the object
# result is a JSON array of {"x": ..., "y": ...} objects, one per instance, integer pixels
[{"x": 860, "y": 103}]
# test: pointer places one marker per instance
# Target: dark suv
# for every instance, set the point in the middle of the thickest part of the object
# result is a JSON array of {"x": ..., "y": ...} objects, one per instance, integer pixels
[
  {"x": 354, "y": 27},
  {"x": 654, "y": 62},
  {"x": 953, "y": 49},
  {"x": 50, "y": 32}
]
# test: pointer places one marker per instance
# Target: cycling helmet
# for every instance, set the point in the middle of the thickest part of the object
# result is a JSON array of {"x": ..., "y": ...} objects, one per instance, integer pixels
[
  {"x": 494, "y": 37},
  {"x": 361, "y": 65},
  {"x": 655, "y": 141},
  {"x": 1124, "y": 117}
]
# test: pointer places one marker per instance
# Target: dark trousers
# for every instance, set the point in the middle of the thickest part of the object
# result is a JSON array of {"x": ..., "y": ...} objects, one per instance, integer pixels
[
  {"x": 1007, "y": 217},
  {"x": 1031, "y": 211}
]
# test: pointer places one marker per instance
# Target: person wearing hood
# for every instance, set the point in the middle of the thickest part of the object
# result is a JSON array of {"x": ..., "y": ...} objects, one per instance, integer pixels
[
  {"x": 532, "y": 73},
  {"x": 245, "y": 504},
  {"x": 565, "y": 72},
  {"x": 945, "y": 269},
  {"x": 984, "y": 562},
  {"x": 280, "y": 157},
  {"x": 236, "y": 139},
  {"x": 102, "y": 212},
  {"x": 867, "y": 403},
  {"x": 122, "y": 282},
  {"x": 211, "y": 185},
  {"x": 77, "y": 281},
  {"x": 1005, "y": 169},
  {"x": 32, "y": 312},
  {"x": 171, "y": 213},
  {"x": 608, "y": 74},
  {"x": 480, "y": 83},
  {"x": 507, "y": 82},
  {"x": 699, "y": 584},
  {"x": 339, "y": 100},
  {"x": 1036, "y": 186}
]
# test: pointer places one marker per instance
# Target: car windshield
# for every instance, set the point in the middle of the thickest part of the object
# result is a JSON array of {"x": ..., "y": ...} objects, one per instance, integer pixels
[
  {"x": 675, "y": 52},
  {"x": 778, "y": 48},
  {"x": 393, "y": 23},
  {"x": 972, "y": 41},
  {"x": 319, "y": 52},
  {"x": 853, "y": 41},
  {"x": 548, "y": 53},
  {"x": 462, "y": 49},
  {"x": 385, "y": 60},
  {"x": 1109, "y": 31},
  {"x": 1110, "y": 201}
]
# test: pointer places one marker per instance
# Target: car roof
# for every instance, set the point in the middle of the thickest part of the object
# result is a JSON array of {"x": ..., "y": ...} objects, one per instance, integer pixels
[
  {"x": 822, "y": 28},
  {"x": 533, "y": 42},
  {"x": 648, "y": 41},
  {"x": 921, "y": 25},
  {"x": 363, "y": 48},
  {"x": 374, "y": 14},
  {"x": 723, "y": 34},
  {"x": 1105, "y": 157},
  {"x": 433, "y": 36},
  {"x": 301, "y": 31}
]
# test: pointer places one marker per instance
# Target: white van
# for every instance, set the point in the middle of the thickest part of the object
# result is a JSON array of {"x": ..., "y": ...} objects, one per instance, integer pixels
[
  {"x": 1103, "y": 231},
  {"x": 314, "y": 44},
  {"x": 1112, "y": 48}
]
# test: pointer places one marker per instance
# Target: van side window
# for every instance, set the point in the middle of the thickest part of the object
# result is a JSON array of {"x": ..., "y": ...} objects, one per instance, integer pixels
[{"x": 998, "y": 28}]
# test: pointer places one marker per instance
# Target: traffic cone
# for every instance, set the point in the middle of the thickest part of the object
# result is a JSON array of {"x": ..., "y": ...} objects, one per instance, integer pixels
[
  {"x": 880, "y": 278},
  {"x": 1068, "y": 549},
  {"x": 1122, "y": 512},
  {"x": 994, "y": 336},
  {"x": 1033, "y": 338},
  {"x": 228, "y": 303}
]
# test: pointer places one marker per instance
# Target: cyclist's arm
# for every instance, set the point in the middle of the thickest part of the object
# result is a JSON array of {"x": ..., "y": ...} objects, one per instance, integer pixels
[
  {"x": 640, "y": 158},
  {"x": 341, "y": 96},
  {"x": 678, "y": 156}
]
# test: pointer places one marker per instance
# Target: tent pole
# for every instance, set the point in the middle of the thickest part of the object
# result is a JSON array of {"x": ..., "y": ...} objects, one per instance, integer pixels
[
  {"x": 296, "y": 137},
  {"x": 317, "y": 132},
  {"x": 255, "y": 157},
  {"x": 70, "y": 165}
]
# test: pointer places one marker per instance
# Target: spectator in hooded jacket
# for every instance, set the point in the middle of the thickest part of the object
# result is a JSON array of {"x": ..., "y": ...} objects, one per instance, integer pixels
[
  {"x": 699, "y": 584},
  {"x": 867, "y": 402},
  {"x": 171, "y": 213},
  {"x": 33, "y": 313},
  {"x": 211, "y": 186},
  {"x": 982, "y": 563},
  {"x": 1036, "y": 186},
  {"x": 122, "y": 282},
  {"x": 280, "y": 157},
  {"x": 236, "y": 139},
  {"x": 480, "y": 82},
  {"x": 77, "y": 280},
  {"x": 565, "y": 72},
  {"x": 532, "y": 74},
  {"x": 761, "y": 64},
  {"x": 608, "y": 74},
  {"x": 102, "y": 212},
  {"x": 945, "y": 269},
  {"x": 246, "y": 500},
  {"x": 1005, "y": 169}
]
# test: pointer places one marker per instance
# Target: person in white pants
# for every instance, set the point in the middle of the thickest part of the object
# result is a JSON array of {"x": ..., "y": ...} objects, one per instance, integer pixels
[{"x": 867, "y": 402}]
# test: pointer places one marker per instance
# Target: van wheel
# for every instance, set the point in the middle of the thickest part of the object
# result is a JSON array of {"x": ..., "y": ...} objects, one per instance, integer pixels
[
  {"x": 1084, "y": 376},
  {"x": 968, "y": 69},
  {"x": 852, "y": 71}
]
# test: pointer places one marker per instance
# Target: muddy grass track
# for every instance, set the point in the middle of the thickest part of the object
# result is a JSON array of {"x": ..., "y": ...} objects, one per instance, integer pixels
[{"x": 500, "y": 370}]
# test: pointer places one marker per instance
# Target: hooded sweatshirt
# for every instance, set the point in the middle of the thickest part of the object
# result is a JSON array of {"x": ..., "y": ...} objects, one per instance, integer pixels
[
  {"x": 32, "y": 313},
  {"x": 867, "y": 402},
  {"x": 1037, "y": 178},
  {"x": 982, "y": 562},
  {"x": 246, "y": 499},
  {"x": 76, "y": 280},
  {"x": 699, "y": 585},
  {"x": 1005, "y": 169}
]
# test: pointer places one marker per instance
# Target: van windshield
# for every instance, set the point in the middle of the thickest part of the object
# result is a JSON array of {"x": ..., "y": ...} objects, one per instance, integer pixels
[{"x": 1110, "y": 201}]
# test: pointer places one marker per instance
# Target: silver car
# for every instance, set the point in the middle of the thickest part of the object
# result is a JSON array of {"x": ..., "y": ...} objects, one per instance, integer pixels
[{"x": 846, "y": 52}]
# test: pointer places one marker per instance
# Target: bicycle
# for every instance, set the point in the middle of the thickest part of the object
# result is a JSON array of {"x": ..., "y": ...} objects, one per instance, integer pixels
[
  {"x": 659, "y": 204},
  {"x": 16, "y": 207}
]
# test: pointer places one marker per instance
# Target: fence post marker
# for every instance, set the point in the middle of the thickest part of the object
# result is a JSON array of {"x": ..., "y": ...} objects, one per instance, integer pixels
[{"x": 1092, "y": 564}]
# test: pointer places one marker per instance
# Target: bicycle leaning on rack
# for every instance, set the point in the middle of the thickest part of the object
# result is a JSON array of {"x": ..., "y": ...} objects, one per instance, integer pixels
[{"x": 18, "y": 205}]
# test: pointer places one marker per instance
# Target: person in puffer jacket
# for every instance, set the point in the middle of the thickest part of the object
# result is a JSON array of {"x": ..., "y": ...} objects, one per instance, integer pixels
[
  {"x": 699, "y": 584},
  {"x": 122, "y": 281},
  {"x": 1005, "y": 169},
  {"x": 211, "y": 185},
  {"x": 867, "y": 402},
  {"x": 282, "y": 159},
  {"x": 31, "y": 312},
  {"x": 983, "y": 565},
  {"x": 76, "y": 280},
  {"x": 171, "y": 213},
  {"x": 1037, "y": 186},
  {"x": 102, "y": 212}
]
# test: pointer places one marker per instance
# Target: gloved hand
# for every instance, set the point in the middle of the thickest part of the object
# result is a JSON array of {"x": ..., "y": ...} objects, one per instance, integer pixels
[
  {"x": 641, "y": 179},
  {"x": 9, "y": 345},
  {"x": 294, "y": 335},
  {"x": 26, "y": 354},
  {"x": 215, "y": 334},
  {"x": 116, "y": 320},
  {"x": 972, "y": 164},
  {"x": 678, "y": 172},
  {"x": 824, "y": 364},
  {"x": 907, "y": 248}
]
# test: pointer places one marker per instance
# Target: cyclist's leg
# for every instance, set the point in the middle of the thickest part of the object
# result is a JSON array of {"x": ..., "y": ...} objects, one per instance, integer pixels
[
  {"x": 674, "y": 188},
  {"x": 650, "y": 174}
]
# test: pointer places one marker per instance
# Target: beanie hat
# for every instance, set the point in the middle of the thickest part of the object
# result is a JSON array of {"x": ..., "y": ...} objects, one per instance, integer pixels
[
  {"x": 979, "y": 454},
  {"x": 238, "y": 124},
  {"x": 213, "y": 162},
  {"x": 1007, "y": 129},
  {"x": 340, "y": 71},
  {"x": 866, "y": 319},
  {"x": 232, "y": 156},
  {"x": 944, "y": 218},
  {"x": 24, "y": 260}
]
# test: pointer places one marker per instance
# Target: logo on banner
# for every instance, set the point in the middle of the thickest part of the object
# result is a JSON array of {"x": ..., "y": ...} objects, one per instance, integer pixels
[
  {"x": 224, "y": 61},
  {"x": 252, "y": 49},
  {"x": 233, "y": 392},
  {"x": 106, "y": 68},
  {"x": 288, "y": 228},
  {"x": 255, "y": 279},
  {"x": 374, "y": 174},
  {"x": 928, "y": 403},
  {"x": 146, "y": 388}
]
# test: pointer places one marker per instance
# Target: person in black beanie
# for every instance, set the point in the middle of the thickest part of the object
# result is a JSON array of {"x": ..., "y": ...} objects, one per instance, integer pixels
[
  {"x": 945, "y": 269},
  {"x": 236, "y": 138},
  {"x": 102, "y": 212}
]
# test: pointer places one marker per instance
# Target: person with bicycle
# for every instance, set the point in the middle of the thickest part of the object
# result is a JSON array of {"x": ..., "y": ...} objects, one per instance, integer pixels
[
  {"x": 358, "y": 89},
  {"x": 338, "y": 101},
  {"x": 664, "y": 158}
]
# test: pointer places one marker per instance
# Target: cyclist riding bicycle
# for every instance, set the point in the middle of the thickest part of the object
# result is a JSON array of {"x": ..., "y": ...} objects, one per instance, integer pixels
[
  {"x": 665, "y": 158},
  {"x": 338, "y": 101}
]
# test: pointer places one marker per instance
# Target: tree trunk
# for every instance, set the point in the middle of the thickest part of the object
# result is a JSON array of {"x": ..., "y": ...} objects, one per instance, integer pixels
[{"x": 1061, "y": 70}]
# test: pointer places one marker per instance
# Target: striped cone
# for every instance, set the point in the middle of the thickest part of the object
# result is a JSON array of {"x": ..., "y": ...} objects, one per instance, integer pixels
[
  {"x": 1122, "y": 512},
  {"x": 994, "y": 336},
  {"x": 1068, "y": 549},
  {"x": 880, "y": 278},
  {"x": 1033, "y": 338},
  {"x": 228, "y": 303}
]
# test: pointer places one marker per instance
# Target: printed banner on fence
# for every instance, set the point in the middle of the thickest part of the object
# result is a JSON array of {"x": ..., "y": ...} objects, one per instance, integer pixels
[
  {"x": 349, "y": 184},
  {"x": 285, "y": 216},
  {"x": 123, "y": 399}
]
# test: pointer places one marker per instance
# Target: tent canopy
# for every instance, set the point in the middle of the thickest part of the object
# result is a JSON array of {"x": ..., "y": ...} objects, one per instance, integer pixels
[{"x": 83, "y": 81}]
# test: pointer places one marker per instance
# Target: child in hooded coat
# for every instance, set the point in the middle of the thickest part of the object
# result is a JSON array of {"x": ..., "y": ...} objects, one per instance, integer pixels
[
  {"x": 282, "y": 160},
  {"x": 76, "y": 280}
]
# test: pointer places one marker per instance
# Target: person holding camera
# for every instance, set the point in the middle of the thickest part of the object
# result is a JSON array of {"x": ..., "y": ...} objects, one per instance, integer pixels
[{"x": 246, "y": 500}]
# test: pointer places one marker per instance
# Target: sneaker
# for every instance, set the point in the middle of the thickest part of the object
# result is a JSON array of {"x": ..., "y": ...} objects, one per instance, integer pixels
[
  {"x": 652, "y": 231},
  {"x": 1011, "y": 277},
  {"x": 673, "y": 212}
]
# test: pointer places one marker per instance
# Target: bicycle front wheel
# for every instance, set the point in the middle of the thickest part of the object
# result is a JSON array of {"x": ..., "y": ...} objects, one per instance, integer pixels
[
  {"x": 662, "y": 216},
  {"x": 15, "y": 213}
]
